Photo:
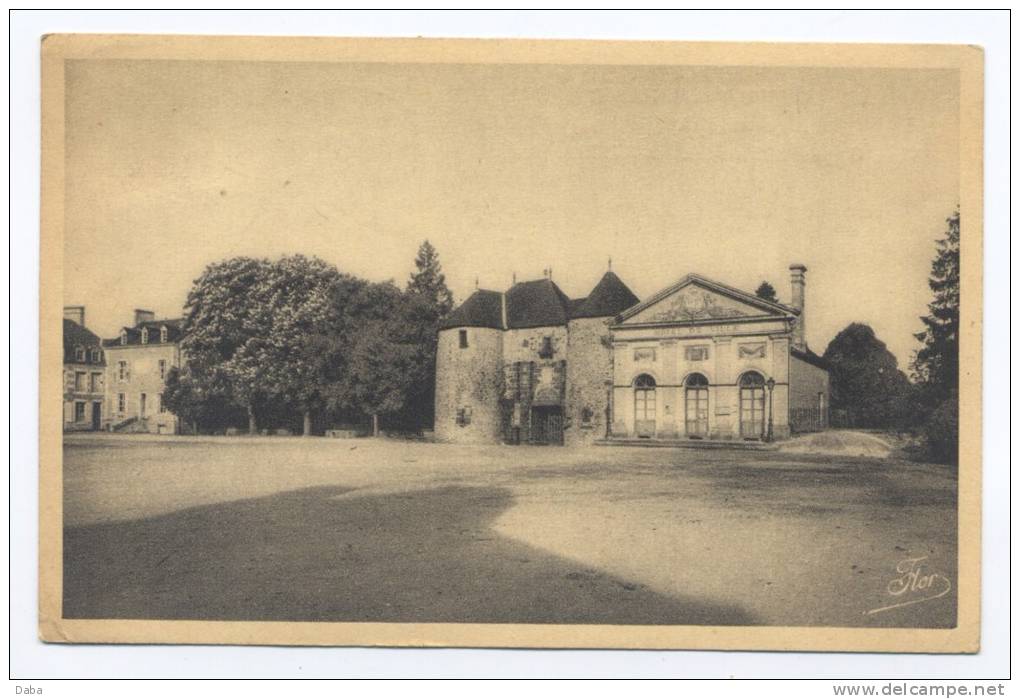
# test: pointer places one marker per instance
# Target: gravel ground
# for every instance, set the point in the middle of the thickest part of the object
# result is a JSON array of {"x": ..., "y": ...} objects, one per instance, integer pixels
[{"x": 375, "y": 530}]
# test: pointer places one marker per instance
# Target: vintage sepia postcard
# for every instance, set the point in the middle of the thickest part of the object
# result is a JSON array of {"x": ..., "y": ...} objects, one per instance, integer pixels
[{"x": 561, "y": 344}]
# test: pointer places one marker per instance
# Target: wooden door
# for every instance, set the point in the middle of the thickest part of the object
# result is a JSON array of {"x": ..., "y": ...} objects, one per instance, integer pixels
[
  {"x": 644, "y": 412},
  {"x": 752, "y": 412},
  {"x": 696, "y": 411}
]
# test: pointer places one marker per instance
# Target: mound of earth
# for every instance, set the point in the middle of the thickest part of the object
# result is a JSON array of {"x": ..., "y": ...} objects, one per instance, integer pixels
[{"x": 843, "y": 443}]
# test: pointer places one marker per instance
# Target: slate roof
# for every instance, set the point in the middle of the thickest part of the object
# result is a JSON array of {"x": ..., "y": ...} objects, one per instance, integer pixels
[
  {"x": 609, "y": 297},
  {"x": 134, "y": 334},
  {"x": 482, "y": 309},
  {"x": 540, "y": 303},
  {"x": 536, "y": 304},
  {"x": 78, "y": 336}
]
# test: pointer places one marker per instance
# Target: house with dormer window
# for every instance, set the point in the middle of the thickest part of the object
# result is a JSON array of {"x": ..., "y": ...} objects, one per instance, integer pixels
[
  {"x": 84, "y": 372},
  {"x": 138, "y": 361}
]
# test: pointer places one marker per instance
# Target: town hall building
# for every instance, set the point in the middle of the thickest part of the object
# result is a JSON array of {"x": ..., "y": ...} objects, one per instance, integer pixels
[{"x": 699, "y": 360}]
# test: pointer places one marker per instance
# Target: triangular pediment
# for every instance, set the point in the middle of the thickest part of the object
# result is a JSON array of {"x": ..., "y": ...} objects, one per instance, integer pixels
[{"x": 696, "y": 299}]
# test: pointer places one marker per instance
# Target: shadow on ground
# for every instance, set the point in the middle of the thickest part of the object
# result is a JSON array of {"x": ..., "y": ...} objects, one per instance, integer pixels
[{"x": 318, "y": 554}]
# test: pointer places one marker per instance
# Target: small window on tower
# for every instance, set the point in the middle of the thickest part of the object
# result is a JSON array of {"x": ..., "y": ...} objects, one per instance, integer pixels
[
  {"x": 547, "y": 348},
  {"x": 463, "y": 339}
]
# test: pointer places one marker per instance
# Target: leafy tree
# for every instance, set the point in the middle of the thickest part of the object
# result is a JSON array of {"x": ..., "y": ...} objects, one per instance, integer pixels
[
  {"x": 432, "y": 301},
  {"x": 865, "y": 381},
  {"x": 382, "y": 361},
  {"x": 299, "y": 301},
  {"x": 226, "y": 331},
  {"x": 766, "y": 292},
  {"x": 198, "y": 403}
]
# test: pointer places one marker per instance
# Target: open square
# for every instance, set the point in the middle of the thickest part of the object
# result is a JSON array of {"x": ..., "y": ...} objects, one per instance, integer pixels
[{"x": 292, "y": 529}]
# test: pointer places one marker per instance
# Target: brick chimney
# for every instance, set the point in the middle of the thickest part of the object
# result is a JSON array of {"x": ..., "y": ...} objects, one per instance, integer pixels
[
  {"x": 143, "y": 316},
  {"x": 797, "y": 283},
  {"x": 75, "y": 313}
]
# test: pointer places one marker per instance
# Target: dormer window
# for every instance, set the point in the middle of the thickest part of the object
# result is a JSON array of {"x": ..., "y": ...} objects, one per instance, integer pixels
[
  {"x": 145, "y": 336},
  {"x": 123, "y": 337},
  {"x": 96, "y": 356},
  {"x": 162, "y": 334},
  {"x": 79, "y": 354}
]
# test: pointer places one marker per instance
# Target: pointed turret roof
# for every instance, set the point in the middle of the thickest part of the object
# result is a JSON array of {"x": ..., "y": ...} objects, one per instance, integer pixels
[
  {"x": 482, "y": 309},
  {"x": 609, "y": 297}
]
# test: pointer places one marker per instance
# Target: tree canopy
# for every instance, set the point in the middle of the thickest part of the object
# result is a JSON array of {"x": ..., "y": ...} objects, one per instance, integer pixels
[
  {"x": 865, "y": 380},
  {"x": 266, "y": 337},
  {"x": 766, "y": 292},
  {"x": 936, "y": 366}
]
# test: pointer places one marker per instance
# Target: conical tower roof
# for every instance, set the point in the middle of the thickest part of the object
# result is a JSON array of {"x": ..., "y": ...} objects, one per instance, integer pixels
[{"x": 609, "y": 297}]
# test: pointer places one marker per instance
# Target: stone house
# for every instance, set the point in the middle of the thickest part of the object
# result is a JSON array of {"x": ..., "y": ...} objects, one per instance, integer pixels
[
  {"x": 84, "y": 371},
  {"x": 137, "y": 363},
  {"x": 698, "y": 360}
]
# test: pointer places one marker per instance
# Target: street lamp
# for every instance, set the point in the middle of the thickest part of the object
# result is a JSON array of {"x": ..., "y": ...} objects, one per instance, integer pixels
[{"x": 771, "y": 384}]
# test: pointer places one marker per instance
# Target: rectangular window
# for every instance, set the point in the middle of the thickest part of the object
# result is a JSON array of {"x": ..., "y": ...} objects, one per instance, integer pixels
[
  {"x": 79, "y": 411},
  {"x": 159, "y": 403},
  {"x": 162, "y": 369},
  {"x": 121, "y": 403},
  {"x": 79, "y": 381},
  {"x": 463, "y": 416},
  {"x": 162, "y": 334},
  {"x": 696, "y": 353},
  {"x": 141, "y": 404},
  {"x": 122, "y": 370},
  {"x": 463, "y": 339},
  {"x": 95, "y": 382},
  {"x": 79, "y": 354}
]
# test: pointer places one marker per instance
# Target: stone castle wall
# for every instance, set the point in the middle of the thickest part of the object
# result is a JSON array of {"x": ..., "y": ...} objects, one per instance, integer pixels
[
  {"x": 589, "y": 380},
  {"x": 468, "y": 385}
]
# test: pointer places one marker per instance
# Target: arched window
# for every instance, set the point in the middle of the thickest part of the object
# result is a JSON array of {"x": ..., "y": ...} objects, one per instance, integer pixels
[
  {"x": 696, "y": 380},
  {"x": 752, "y": 405},
  {"x": 644, "y": 381},
  {"x": 644, "y": 406},
  {"x": 696, "y": 406}
]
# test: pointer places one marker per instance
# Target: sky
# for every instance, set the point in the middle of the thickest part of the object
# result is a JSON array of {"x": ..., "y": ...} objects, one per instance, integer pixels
[{"x": 730, "y": 172}]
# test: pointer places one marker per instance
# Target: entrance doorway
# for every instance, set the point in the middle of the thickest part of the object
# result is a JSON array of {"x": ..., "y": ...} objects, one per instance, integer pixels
[
  {"x": 547, "y": 425},
  {"x": 752, "y": 405},
  {"x": 644, "y": 406},
  {"x": 696, "y": 406},
  {"x": 97, "y": 415}
]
